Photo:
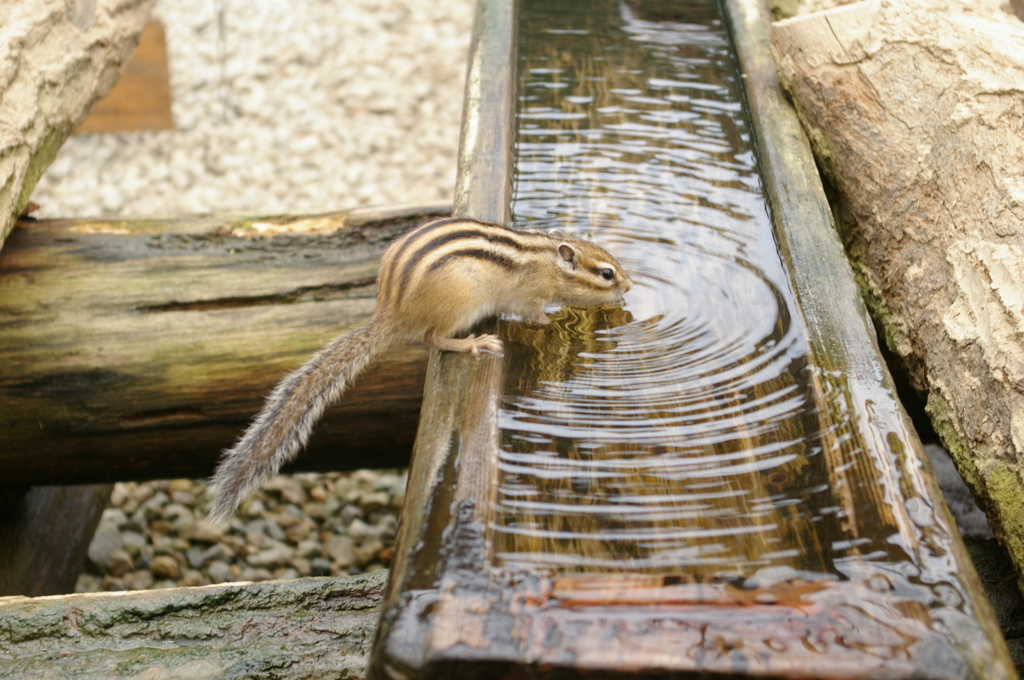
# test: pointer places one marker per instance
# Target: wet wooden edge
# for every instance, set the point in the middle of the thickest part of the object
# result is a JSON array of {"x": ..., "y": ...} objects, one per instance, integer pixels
[
  {"x": 454, "y": 470},
  {"x": 840, "y": 332}
]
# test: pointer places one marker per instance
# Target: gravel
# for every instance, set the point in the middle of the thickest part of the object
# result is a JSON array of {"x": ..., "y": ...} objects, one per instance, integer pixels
[
  {"x": 285, "y": 107},
  {"x": 282, "y": 106},
  {"x": 156, "y": 534}
]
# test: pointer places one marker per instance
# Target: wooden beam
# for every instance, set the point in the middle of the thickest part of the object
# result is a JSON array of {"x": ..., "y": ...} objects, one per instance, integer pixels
[
  {"x": 138, "y": 349},
  {"x": 457, "y": 438},
  {"x": 141, "y": 99},
  {"x": 44, "y": 536},
  {"x": 853, "y": 382},
  {"x": 460, "y": 392},
  {"x": 308, "y": 628}
]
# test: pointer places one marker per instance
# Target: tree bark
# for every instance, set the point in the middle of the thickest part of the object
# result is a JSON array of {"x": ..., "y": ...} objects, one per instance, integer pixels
[
  {"x": 141, "y": 349},
  {"x": 58, "y": 58},
  {"x": 915, "y": 111},
  {"x": 286, "y": 630}
]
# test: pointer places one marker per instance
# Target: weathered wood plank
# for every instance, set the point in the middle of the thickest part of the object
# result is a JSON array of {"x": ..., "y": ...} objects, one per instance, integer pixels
[
  {"x": 141, "y": 99},
  {"x": 44, "y": 536},
  {"x": 845, "y": 346},
  {"x": 309, "y": 628},
  {"x": 141, "y": 349}
]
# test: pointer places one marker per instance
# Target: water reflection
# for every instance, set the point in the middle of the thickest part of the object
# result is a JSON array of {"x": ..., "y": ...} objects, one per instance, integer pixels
[{"x": 678, "y": 435}]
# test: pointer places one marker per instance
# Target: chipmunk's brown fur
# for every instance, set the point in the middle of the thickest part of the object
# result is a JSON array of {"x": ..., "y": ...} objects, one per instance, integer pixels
[{"x": 433, "y": 283}]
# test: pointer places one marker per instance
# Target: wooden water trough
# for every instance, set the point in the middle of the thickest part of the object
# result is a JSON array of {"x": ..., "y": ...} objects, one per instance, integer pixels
[
  {"x": 453, "y": 608},
  {"x": 459, "y": 605}
]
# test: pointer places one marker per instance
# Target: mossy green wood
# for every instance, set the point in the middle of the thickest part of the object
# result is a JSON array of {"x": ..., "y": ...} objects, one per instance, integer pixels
[{"x": 138, "y": 349}]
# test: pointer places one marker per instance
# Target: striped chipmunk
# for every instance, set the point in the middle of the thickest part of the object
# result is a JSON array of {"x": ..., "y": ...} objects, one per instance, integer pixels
[{"x": 433, "y": 283}]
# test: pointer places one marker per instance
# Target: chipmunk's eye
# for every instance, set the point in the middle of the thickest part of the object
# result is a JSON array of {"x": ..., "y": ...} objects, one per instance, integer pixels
[{"x": 608, "y": 274}]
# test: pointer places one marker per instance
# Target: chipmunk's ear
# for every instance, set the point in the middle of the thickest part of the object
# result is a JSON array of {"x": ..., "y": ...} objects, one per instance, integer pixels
[{"x": 567, "y": 256}]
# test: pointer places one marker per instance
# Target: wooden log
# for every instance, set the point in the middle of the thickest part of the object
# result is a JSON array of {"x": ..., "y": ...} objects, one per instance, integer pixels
[
  {"x": 456, "y": 608},
  {"x": 289, "y": 630},
  {"x": 925, "y": 162},
  {"x": 141, "y": 349},
  {"x": 44, "y": 536},
  {"x": 59, "y": 58}
]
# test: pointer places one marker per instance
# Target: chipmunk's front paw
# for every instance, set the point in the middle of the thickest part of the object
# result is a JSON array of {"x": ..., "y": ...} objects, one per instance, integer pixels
[
  {"x": 489, "y": 343},
  {"x": 470, "y": 345}
]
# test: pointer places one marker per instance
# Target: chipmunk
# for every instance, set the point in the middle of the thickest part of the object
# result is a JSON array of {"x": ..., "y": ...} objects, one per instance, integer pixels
[{"x": 433, "y": 283}]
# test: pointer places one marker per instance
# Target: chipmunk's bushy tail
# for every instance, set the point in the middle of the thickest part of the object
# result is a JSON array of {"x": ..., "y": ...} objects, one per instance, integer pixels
[{"x": 283, "y": 426}]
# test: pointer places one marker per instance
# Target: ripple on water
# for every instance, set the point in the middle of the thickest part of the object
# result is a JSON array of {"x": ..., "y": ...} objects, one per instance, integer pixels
[{"x": 676, "y": 434}]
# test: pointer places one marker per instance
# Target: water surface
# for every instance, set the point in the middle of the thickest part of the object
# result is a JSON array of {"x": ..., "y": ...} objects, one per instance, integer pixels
[{"x": 680, "y": 434}]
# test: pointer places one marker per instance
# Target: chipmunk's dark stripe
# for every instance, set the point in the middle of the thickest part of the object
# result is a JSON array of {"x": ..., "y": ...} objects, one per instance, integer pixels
[
  {"x": 412, "y": 237},
  {"x": 476, "y": 254},
  {"x": 409, "y": 266},
  {"x": 596, "y": 271},
  {"x": 492, "y": 234},
  {"x": 466, "y": 234}
]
